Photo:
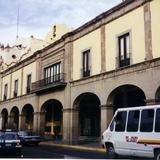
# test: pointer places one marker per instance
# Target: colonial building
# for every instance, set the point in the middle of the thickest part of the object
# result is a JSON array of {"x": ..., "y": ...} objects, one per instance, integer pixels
[{"x": 72, "y": 87}]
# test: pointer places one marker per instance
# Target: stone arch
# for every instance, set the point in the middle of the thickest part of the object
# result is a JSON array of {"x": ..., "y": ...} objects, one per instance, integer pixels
[
  {"x": 4, "y": 114},
  {"x": 14, "y": 118},
  {"x": 27, "y": 116},
  {"x": 52, "y": 118},
  {"x": 126, "y": 96},
  {"x": 89, "y": 114}
]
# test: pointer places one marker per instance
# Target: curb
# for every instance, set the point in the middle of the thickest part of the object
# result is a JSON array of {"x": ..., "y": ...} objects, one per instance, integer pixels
[{"x": 73, "y": 146}]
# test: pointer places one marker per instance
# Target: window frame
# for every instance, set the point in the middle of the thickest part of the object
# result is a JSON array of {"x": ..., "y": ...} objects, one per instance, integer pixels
[
  {"x": 28, "y": 87},
  {"x": 86, "y": 63},
  {"x": 5, "y": 91},
  {"x": 52, "y": 73},
  {"x": 15, "y": 88}
]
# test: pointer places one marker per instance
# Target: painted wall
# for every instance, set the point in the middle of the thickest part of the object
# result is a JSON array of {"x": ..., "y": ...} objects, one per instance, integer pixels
[
  {"x": 133, "y": 22},
  {"x": 29, "y": 69},
  {"x": 90, "y": 41},
  {"x": 155, "y": 14},
  {"x": 6, "y": 80},
  {"x": 16, "y": 75}
]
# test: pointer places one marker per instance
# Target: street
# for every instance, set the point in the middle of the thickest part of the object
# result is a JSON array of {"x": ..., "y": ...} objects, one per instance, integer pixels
[{"x": 42, "y": 151}]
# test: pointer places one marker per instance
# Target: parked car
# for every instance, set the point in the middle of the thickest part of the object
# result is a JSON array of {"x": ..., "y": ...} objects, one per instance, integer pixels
[
  {"x": 10, "y": 142},
  {"x": 29, "y": 138}
]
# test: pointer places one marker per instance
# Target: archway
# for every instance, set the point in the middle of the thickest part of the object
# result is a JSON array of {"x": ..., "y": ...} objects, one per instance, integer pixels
[
  {"x": 14, "y": 118},
  {"x": 88, "y": 105},
  {"x": 27, "y": 116},
  {"x": 4, "y": 115},
  {"x": 53, "y": 117},
  {"x": 126, "y": 96}
]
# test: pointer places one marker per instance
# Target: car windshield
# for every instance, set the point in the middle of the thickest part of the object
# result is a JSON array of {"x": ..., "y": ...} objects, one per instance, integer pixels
[{"x": 9, "y": 136}]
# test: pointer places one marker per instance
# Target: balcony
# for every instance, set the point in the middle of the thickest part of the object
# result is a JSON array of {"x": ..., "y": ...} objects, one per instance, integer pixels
[{"x": 49, "y": 84}]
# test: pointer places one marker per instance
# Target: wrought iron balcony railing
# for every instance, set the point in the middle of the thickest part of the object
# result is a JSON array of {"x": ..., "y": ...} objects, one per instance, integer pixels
[{"x": 46, "y": 84}]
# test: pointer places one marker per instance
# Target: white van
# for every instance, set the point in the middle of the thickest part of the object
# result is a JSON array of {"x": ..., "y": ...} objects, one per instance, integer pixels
[{"x": 134, "y": 132}]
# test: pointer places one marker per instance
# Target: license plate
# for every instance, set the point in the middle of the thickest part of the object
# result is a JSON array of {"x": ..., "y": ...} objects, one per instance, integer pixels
[{"x": 8, "y": 145}]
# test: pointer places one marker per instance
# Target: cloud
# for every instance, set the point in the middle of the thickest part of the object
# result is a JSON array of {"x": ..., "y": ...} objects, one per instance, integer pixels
[{"x": 37, "y": 15}]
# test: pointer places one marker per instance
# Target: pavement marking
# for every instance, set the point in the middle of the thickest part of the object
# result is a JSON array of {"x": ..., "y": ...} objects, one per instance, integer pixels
[{"x": 74, "y": 147}]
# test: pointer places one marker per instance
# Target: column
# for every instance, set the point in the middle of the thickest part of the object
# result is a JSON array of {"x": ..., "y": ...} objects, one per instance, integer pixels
[
  {"x": 22, "y": 125},
  {"x": 39, "y": 122},
  {"x": 66, "y": 125},
  {"x": 10, "y": 121},
  {"x": 1, "y": 122},
  {"x": 75, "y": 125},
  {"x": 106, "y": 116}
]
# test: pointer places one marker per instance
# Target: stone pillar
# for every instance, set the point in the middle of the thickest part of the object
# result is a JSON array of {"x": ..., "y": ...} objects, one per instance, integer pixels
[
  {"x": 36, "y": 118},
  {"x": 1, "y": 121},
  {"x": 103, "y": 49},
  {"x": 106, "y": 116},
  {"x": 148, "y": 31},
  {"x": 39, "y": 122},
  {"x": 75, "y": 125},
  {"x": 67, "y": 131},
  {"x": 22, "y": 124},
  {"x": 10, "y": 121}
]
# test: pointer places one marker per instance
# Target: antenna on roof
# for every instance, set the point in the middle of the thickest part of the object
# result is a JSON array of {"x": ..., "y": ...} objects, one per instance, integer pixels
[{"x": 17, "y": 22}]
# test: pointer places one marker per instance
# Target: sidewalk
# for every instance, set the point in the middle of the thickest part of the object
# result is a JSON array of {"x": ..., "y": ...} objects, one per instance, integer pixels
[{"x": 90, "y": 146}]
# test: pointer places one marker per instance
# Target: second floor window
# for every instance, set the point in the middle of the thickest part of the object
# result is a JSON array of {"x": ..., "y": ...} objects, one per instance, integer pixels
[
  {"x": 28, "y": 83},
  {"x": 15, "y": 88},
  {"x": 5, "y": 91},
  {"x": 52, "y": 73},
  {"x": 86, "y": 64},
  {"x": 124, "y": 50}
]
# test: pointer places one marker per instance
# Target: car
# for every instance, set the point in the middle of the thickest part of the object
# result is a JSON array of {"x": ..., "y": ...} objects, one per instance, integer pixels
[
  {"x": 29, "y": 138},
  {"x": 10, "y": 142}
]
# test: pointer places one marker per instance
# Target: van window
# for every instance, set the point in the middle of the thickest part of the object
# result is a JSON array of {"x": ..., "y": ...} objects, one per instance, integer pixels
[
  {"x": 147, "y": 120},
  {"x": 112, "y": 125},
  {"x": 133, "y": 121},
  {"x": 157, "y": 123},
  {"x": 120, "y": 121}
]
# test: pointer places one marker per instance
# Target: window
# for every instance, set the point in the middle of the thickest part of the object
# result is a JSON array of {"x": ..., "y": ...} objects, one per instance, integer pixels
[
  {"x": 5, "y": 91},
  {"x": 86, "y": 69},
  {"x": 124, "y": 50},
  {"x": 15, "y": 88},
  {"x": 147, "y": 120},
  {"x": 52, "y": 73},
  {"x": 133, "y": 121},
  {"x": 28, "y": 83},
  {"x": 120, "y": 121},
  {"x": 157, "y": 123}
]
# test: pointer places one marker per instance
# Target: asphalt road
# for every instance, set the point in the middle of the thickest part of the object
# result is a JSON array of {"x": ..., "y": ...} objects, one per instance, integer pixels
[{"x": 58, "y": 153}]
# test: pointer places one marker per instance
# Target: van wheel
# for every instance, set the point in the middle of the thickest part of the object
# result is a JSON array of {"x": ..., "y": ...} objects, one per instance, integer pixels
[
  {"x": 157, "y": 155},
  {"x": 110, "y": 152}
]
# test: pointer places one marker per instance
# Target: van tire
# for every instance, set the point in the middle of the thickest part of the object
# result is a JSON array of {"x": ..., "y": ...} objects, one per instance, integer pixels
[
  {"x": 157, "y": 155},
  {"x": 111, "y": 154}
]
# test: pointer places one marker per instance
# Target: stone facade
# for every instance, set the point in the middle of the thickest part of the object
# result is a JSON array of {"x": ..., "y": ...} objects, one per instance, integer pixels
[{"x": 76, "y": 109}]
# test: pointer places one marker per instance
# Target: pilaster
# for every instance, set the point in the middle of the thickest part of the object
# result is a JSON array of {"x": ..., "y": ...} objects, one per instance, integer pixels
[{"x": 148, "y": 31}]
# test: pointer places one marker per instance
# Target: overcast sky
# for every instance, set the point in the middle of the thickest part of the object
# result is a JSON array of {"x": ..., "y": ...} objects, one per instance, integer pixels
[{"x": 37, "y": 16}]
